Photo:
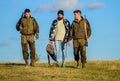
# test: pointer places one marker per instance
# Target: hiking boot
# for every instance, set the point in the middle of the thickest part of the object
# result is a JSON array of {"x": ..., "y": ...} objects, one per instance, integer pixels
[
  {"x": 57, "y": 64},
  {"x": 26, "y": 63},
  {"x": 36, "y": 58},
  {"x": 77, "y": 63},
  {"x": 63, "y": 66},
  {"x": 83, "y": 65},
  {"x": 32, "y": 63}
]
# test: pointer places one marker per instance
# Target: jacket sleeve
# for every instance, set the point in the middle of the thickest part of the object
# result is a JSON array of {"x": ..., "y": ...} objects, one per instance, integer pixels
[
  {"x": 71, "y": 33},
  {"x": 18, "y": 25},
  {"x": 67, "y": 25},
  {"x": 52, "y": 30},
  {"x": 36, "y": 26},
  {"x": 88, "y": 29}
]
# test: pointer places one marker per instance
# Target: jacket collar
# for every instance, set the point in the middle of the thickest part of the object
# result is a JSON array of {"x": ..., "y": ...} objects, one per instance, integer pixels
[
  {"x": 77, "y": 20},
  {"x": 29, "y": 17}
]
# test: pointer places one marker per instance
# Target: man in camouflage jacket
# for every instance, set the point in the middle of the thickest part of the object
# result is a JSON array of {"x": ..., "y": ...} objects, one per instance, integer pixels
[
  {"x": 79, "y": 28},
  {"x": 28, "y": 28}
]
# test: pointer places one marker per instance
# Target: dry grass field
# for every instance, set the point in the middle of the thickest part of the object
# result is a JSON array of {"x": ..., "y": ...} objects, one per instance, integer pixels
[{"x": 94, "y": 71}]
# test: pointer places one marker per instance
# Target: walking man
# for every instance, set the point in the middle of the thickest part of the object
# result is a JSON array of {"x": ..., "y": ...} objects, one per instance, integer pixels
[
  {"x": 28, "y": 28},
  {"x": 59, "y": 33},
  {"x": 80, "y": 32}
]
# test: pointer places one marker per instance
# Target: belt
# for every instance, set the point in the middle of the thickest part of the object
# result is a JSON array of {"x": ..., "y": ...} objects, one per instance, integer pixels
[{"x": 28, "y": 34}]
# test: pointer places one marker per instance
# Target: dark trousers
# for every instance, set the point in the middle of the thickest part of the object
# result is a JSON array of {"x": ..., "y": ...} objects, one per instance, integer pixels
[
  {"x": 80, "y": 50},
  {"x": 28, "y": 40},
  {"x": 25, "y": 50}
]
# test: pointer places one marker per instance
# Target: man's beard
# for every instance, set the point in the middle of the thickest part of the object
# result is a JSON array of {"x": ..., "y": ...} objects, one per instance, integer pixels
[{"x": 60, "y": 18}]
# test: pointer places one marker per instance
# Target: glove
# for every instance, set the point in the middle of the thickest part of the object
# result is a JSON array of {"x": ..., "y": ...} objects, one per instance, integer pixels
[{"x": 37, "y": 36}]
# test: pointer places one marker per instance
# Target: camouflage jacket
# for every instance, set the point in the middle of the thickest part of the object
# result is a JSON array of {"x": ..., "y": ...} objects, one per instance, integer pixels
[
  {"x": 77, "y": 30},
  {"x": 29, "y": 26}
]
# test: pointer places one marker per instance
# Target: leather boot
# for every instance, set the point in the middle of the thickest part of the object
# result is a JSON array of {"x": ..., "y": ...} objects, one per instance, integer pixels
[
  {"x": 83, "y": 65},
  {"x": 32, "y": 63},
  {"x": 26, "y": 62}
]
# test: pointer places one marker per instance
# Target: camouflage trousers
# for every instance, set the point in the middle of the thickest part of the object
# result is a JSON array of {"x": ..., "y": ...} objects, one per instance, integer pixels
[
  {"x": 28, "y": 41},
  {"x": 79, "y": 50}
]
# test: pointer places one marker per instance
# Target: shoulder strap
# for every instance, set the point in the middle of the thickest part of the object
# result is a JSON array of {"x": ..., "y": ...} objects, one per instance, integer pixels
[{"x": 85, "y": 28}]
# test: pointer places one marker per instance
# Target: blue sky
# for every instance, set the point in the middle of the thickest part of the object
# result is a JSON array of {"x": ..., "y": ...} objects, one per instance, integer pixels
[{"x": 102, "y": 14}]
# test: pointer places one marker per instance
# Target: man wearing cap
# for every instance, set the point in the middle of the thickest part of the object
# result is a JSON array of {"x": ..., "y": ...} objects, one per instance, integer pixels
[
  {"x": 28, "y": 28},
  {"x": 59, "y": 33},
  {"x": 80, "y": 32}
]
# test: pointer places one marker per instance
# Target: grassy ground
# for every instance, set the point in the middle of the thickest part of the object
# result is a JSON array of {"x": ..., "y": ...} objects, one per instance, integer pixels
[{"x": 94, "y": 71}]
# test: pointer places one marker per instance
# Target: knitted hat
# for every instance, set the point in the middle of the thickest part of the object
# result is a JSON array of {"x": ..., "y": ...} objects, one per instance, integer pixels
[{"x": 61, "y": 12}]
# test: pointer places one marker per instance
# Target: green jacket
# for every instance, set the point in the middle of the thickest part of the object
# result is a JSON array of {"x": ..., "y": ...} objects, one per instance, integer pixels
[
  {"x": 78, "y": 31},
  {"x": 29, "y": 26}
]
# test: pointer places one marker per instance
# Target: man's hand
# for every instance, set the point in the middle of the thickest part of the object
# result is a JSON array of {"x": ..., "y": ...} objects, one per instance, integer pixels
[
  {"x": 20, "y": 28},
  {"x": 87, "y": 40},
  {"x": 51, "y": 42},
  {"x": 37, "y": 36},
  {"x": 69, "y": 43},
  {"x": 86, "y": 43}
]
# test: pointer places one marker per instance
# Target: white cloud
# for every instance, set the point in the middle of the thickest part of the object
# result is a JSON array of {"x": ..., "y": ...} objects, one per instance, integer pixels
[
  {"x": 96, "y": 5},
  {"x": 56, "y": 5},
  {"x": 60, "y": 4}
]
